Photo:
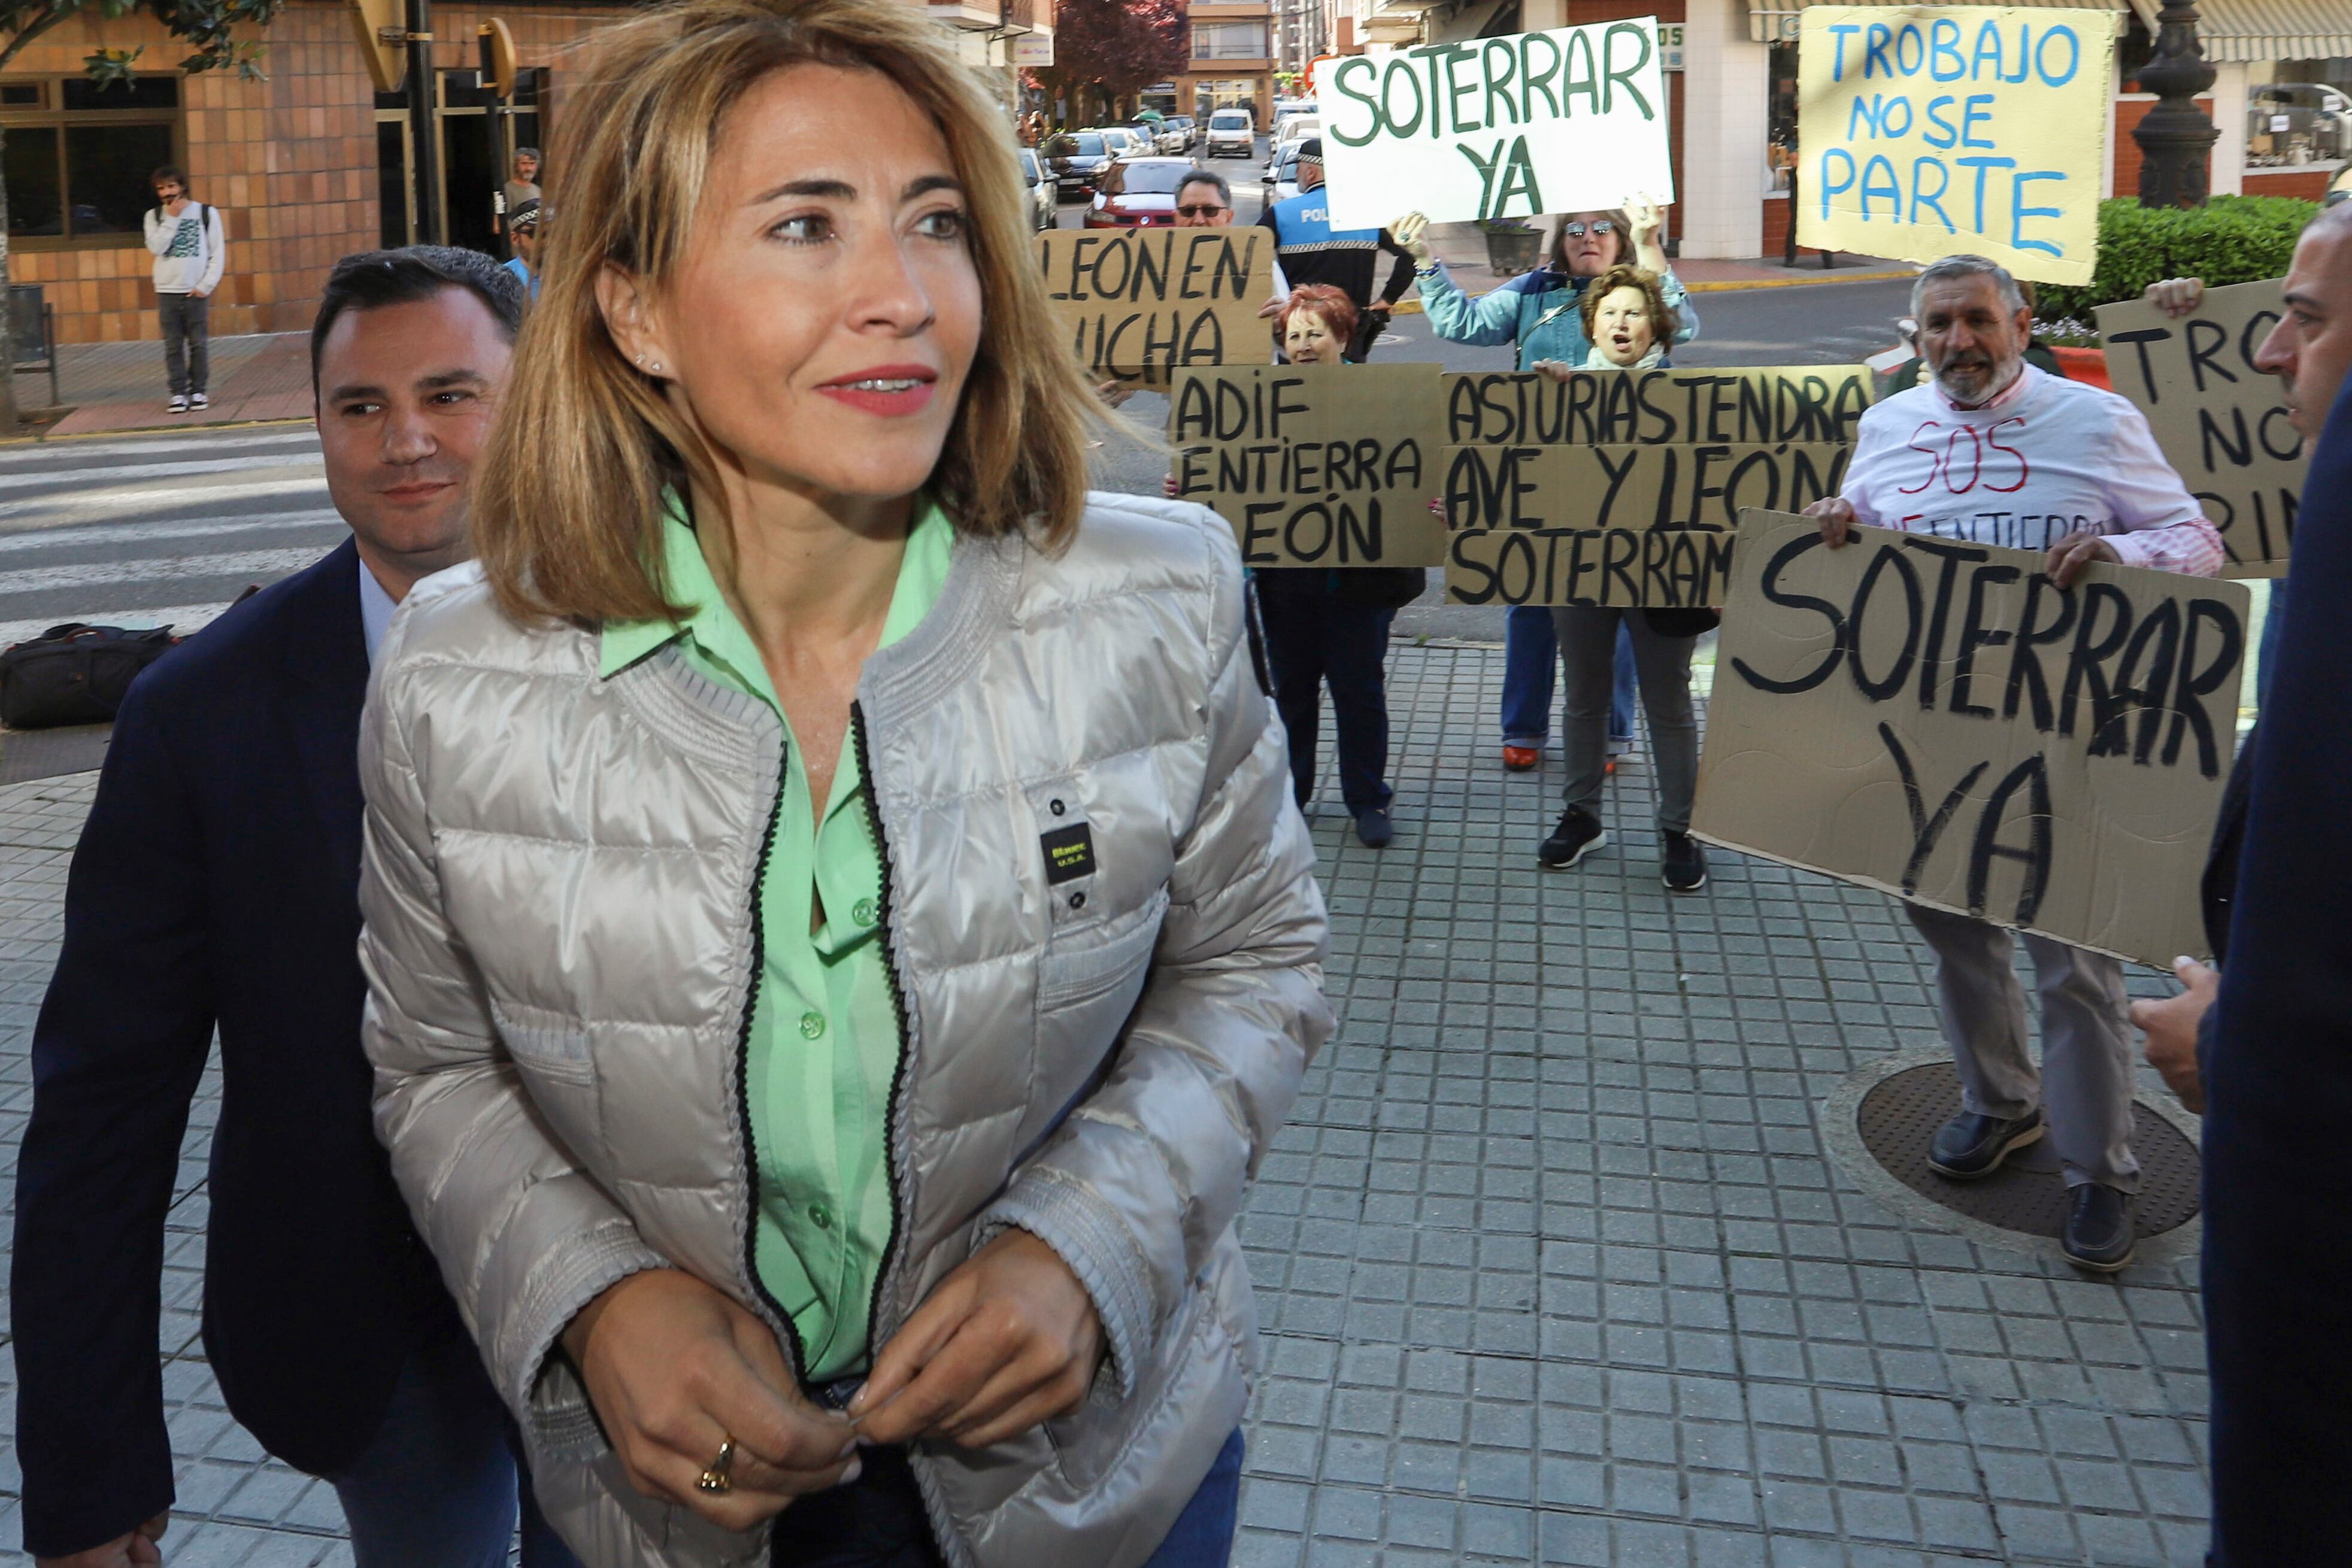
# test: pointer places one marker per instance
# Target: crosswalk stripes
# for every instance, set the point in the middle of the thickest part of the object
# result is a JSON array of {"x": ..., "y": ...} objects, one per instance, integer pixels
[{"x": 165, "y": 530}]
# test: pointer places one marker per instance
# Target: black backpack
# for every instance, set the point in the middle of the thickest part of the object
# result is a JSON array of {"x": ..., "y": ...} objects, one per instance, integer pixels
[{"x": 74, "y": 673}]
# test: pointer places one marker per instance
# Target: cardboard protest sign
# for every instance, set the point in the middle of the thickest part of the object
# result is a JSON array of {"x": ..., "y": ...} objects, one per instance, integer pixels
[
  {"x": 1314, "y": 465},
  {"x": 1614, "y": 408},
  {"x": 1615, "y": 524},
  {"x": 1560, "y": 121},
  {"x": 1933, "y": 131},
  {"x": 2221, "y": 422},
  {"x": 1940, "y": 720},
  {"x": 1138, "y": 304}
]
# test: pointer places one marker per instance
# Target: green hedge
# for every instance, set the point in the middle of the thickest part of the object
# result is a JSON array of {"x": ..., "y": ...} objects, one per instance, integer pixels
[{"x": 2235, "y": 239}]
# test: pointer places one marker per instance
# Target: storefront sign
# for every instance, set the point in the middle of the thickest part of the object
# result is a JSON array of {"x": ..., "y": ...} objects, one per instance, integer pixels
[
  {"x": 1942, "y": 721},
  {"x": 2221, "y": 419},
  {"x": 1137, "y": 307},
  {"x": 1033, "y": 49},
  {"x": 1314, "y": 465},
  {"x": 1563, "y": 120},
  {"x": 1933, "y": 131}
]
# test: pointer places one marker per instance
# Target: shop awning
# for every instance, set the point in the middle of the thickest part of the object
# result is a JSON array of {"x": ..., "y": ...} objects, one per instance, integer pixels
[
  {"x": 2245, "y": 30},
  {"x": 1775, "y": 21}
]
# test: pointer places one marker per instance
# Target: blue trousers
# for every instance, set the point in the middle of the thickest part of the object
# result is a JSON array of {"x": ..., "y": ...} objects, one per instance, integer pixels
[
  {"x": 442, "y": 1483},
  {"x": 1530, "y": 665},
  {"x": 877, "y": 1520}
]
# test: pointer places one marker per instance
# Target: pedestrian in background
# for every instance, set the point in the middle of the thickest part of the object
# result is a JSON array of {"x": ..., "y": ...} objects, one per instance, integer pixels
[
  {"x": 840, "y": 939},
  {"x": 521, "y": 188},
  {"x": 523, "y": 228},
  {"x": 215, "y": 888},
  {"x": 1538, "y": 313},
  {"x": 185, "y": 236}
]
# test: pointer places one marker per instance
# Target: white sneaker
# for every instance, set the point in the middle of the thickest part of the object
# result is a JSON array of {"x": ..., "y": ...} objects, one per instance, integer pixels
[
  {"x": 178, "y": 404},
  {"x": 200, "y": 400}
]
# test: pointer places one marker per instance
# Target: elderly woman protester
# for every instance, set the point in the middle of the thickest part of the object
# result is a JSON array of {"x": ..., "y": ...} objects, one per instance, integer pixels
[
  {"x": 839, "y": 938},
  {"x": 1537, "y": 312},
  {"x": 1628, "y": 324},
  {"x": 1331, "y": 626}
]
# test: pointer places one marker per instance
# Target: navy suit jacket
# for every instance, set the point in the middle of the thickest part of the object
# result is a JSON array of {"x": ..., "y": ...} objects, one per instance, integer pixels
[
  {"x": 216, "y": 885},
  {"x": 2278, "y": 1188}
]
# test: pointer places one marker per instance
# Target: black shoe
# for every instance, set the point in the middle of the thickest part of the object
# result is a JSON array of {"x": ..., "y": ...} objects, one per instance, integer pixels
[
  {"x": 1373, "y": 827},
  {"x": 2098, "y": 1234},
  {"x": 1579, "y": 834},
  {"x": 1971, "y": 1145},
  {"x": 1685, "y": 868}
]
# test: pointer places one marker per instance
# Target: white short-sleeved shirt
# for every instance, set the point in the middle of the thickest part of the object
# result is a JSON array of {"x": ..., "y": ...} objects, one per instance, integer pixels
[{"x": 2047, "y": 458}]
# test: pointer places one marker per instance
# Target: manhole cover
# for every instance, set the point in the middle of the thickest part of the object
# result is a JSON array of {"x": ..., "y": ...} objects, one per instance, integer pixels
[{"x": 1897, "y": 1120}]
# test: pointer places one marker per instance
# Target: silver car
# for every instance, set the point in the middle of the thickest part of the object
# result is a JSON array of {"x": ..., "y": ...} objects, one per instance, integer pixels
[{"x": 1041, "y": 189}]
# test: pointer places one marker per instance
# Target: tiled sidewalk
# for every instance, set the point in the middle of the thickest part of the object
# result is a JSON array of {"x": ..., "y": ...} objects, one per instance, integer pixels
[{"x": 1552, "y": 1267}]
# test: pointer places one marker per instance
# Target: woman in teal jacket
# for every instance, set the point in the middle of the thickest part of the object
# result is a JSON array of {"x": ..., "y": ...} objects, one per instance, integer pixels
[{"x": 1537, "y": 312}]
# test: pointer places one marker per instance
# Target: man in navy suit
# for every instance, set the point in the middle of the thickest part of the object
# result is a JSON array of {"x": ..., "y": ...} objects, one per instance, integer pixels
[{"x": 216, "y": 887}]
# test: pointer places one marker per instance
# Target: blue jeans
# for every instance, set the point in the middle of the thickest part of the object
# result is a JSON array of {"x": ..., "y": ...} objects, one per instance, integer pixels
[
  {"x": 443, "y": 1481},
  {"x": 877, "y": 1520},
  {"x": 1530, "y": 664}
]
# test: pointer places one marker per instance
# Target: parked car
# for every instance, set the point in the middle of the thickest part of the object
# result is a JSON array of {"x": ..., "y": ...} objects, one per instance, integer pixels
[
  {"x": 1139, "y": 192},
  {"x": 1231, "y": 135},
  {"x": 1291, "y": 106},
  {"x": 1185, "y": 130},
  {"x": 1043, "y": 188},
  {"x": 1077, "y": 159},
  {"x": 1297, "y": 128},
  {"x": 1171, "y": 138},
  {"x": 1280, "y": 181},
  {"x": 2297, "y": 122},
  {"x": 1121, "y": 142}
]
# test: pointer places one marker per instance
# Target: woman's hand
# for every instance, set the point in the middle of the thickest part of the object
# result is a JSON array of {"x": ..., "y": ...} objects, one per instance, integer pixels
[
  {"x": 675, "y": 1369},
  {"x": 1558, "y": 369},
  {"x": 1007, "y": 1341},
  {"x": 1167, "y": 486},
  {"x": 1410, "y": 231},
  {"x": 1647, "y": 219}
]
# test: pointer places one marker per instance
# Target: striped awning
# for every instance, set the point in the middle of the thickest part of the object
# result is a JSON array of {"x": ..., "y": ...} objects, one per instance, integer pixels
[
  {"x": 2234, "y": 31},
  {"x": 1775, "y": 21}
]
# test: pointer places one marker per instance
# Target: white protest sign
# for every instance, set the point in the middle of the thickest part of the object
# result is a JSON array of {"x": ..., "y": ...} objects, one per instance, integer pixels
[
  {"x": 1566, "y": 120},
  {"x": 1934, "y": 131},
  {"x": 1941, "y": 720}
]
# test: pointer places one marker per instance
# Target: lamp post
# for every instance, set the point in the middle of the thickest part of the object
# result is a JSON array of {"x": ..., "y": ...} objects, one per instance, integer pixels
[{"x": 2176, "y": 138}]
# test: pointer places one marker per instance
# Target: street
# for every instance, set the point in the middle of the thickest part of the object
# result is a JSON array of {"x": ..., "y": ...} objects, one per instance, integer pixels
[{"x": 1559, "y": 1258}]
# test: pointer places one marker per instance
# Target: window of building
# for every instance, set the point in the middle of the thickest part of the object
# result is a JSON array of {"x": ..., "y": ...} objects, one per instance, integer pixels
[
  {"x": 78, "y": 155},
  {"x": 1229, "y": 40}
]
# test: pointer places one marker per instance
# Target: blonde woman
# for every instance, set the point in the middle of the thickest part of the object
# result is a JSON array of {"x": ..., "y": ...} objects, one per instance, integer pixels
[{"x": 839, "y": 938}]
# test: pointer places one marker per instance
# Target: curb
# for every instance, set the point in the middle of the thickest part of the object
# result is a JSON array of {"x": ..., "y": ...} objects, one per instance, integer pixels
[{"x": 146, "y": 430}]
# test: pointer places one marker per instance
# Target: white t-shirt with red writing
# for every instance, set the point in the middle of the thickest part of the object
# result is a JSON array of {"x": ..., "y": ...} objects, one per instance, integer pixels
[{"x": 2046, "y": 458}]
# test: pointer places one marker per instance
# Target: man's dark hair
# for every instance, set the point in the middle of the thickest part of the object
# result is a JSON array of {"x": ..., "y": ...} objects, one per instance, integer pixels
[
  {"x": 168, "y": 171},
  {"x": 1207, "y": 177},
  {"x": 374, "y": 278}
]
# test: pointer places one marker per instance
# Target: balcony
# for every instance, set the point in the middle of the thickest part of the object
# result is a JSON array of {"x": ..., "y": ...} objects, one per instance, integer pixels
[{"x": 968, "y": 16}]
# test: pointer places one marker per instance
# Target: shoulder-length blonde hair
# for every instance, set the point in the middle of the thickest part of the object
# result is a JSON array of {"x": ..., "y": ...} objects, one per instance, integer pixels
[{"x": 567, "y": 516}]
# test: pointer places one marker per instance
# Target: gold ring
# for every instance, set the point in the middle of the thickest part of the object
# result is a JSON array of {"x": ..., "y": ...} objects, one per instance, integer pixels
[{"x": 718, "y": 1479}]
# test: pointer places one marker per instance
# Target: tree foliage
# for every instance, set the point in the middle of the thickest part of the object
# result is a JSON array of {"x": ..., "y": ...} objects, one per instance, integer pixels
[{"x": 1116, "y": 48}]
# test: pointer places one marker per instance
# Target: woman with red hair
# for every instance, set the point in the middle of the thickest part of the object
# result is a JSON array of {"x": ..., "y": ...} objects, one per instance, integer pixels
[{"x": 1327, "y": 626}]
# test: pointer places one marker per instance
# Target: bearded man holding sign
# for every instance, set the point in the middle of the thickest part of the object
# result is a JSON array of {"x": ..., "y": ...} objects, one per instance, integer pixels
[{"x": 1993, "y": 451}]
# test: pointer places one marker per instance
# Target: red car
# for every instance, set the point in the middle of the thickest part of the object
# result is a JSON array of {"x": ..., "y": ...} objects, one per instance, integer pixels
[{"x": 1139, "y": 192}]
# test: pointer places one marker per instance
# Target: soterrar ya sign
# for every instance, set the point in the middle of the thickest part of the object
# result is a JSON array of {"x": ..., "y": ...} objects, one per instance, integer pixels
[
  {"x": 1558, "y": 121},
  {"x": 1941, "y": 720}
]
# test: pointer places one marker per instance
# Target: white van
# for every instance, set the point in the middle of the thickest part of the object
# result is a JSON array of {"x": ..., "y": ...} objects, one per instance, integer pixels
[{"x": 1231, "y": 133}]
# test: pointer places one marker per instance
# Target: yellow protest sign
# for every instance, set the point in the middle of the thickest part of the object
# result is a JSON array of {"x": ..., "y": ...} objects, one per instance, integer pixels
[
  {"x": 1138, "y": 304},
  {"x": 1934, "y": 131}
]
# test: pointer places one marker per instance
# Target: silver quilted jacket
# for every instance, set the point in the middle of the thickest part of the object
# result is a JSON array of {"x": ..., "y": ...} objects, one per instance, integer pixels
[{"x": 558, "y": 887}]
